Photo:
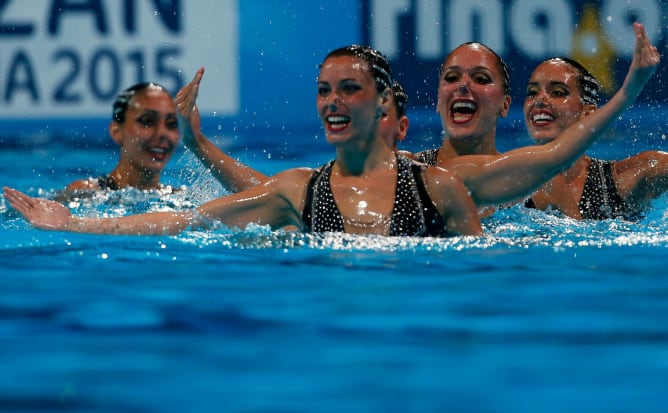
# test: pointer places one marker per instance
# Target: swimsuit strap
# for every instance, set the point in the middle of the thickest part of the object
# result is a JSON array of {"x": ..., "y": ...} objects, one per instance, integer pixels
[
  {"x": 320, "y": 211},
  {"x": 407, "y": 218},
  {"x": 307, "y": 215},
  {"x": 429, "y": 156},
  {"x": 600, "y": 199},
  {"x": 107, "y": 182},
  {"x": 432, "y": 219}
]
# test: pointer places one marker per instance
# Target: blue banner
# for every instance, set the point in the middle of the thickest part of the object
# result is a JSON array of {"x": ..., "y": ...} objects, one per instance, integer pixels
[
  {"x": 63, "y": 61},
  {"x": 418, "y": 34}
]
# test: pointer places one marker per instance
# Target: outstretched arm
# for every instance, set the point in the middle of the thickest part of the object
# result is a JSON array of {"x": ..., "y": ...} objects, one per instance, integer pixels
[
  {"x": 517, "y": 173},
  {"x": 51, "y": 215},
  {"x": 233, "y": 174},
  {"x": 273, "y": 203}
]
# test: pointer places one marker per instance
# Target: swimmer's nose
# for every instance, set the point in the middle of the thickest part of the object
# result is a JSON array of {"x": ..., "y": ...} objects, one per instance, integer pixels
[
  {"x": 166, "y": 133},
  {"x": 334, "y": 102},
  {"x": 540, "y": 99},
  {"x": 463, "y": 88}
]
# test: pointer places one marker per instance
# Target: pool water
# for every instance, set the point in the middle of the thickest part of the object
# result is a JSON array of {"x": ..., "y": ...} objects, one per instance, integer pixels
[{"x": 541, "y": 314}]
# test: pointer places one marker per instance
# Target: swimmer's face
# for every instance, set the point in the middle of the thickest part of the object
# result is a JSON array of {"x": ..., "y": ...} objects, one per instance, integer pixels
[
  {"x": 348, "y": 102},
  {"x": 553, "y": 100},
  {"x": 471, "y": 93},
  {"x": 150, "y": 133}
]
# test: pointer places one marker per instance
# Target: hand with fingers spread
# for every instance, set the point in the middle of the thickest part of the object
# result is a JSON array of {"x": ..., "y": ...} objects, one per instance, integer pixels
[{"x": 41, "y": 213}]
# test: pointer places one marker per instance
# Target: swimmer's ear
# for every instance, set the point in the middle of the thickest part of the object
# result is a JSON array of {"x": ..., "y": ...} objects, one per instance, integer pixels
[
  {"x": 115, "y": 132},
  {"x": 506, "y": 106},
  {"x": 587, "y": 110},
  {"x": 403, "y": 128}
]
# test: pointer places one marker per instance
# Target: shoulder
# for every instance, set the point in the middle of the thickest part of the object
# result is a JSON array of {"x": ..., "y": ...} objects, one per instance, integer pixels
[
  {"x": 406, "y": 154},
  {"x": 438, "y": 179},
  {"x": 83, "y": 185},
  {"x": 291, "y": 182},
  {"x": 294, "y": 174},
  {"x": 448, "y": 192}
]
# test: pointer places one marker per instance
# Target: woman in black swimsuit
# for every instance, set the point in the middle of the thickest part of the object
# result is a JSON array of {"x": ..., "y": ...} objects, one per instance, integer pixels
[
  {"x": 559, "y": 93},
  {"x": 144, "y": 124},
  {"x": 472, "y": 94},
  {"x": 367, "y": 189}
]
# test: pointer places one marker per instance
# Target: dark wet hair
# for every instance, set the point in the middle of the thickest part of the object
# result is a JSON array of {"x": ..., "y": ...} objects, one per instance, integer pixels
[
  {"x": 587, "y": 83},
  {"x": 122, "y": 102},
  {"x": 400, "y": 98},
  {"x": 378, "y": 63},
  {"x": 500, "y": 64}
]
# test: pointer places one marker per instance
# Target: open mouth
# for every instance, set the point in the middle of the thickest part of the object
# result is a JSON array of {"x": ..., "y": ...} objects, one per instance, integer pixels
[
  {"x": 337, "y": 123},
  {"x": 463, "y": 111},
  {"x": 159, "y": 154},
  {"x": 541, "y": 118}
]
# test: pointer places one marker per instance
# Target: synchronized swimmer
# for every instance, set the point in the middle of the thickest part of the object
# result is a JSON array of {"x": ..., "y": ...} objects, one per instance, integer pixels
[{"x": 355, "y": 95}]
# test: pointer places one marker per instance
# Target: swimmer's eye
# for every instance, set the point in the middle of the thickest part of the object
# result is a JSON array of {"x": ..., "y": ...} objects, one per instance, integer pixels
[
  {"x": 146, "y": 121},
  {"x": 323, "y": 91},
  {"x": 350, "y": 88},
  {"x": 482, "y": 78},
  {"x": 532, "y": 92},
  {"x": 560, "y": 92},
  {"x": 172, "y": 122},
  {"x": 451, "y": 77}
]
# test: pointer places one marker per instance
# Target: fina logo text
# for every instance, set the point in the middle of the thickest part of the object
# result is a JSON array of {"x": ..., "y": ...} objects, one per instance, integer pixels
[{"x": 534, "y": 28}]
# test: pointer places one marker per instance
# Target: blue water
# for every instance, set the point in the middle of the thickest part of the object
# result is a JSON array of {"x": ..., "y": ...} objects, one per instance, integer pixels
[{"x": 541, "y": 314}]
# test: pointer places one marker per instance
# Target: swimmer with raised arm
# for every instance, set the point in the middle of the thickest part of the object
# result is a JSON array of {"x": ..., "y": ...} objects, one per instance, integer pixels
[
  {"x": 237, "y": 176},
  {"x": 473, "y": 93},
  {"x": 366, "y": 189},
  {"x": 144, "y": 124},
  {"x": 361, "y": 190},
  {"x": 559, "y": 93}
]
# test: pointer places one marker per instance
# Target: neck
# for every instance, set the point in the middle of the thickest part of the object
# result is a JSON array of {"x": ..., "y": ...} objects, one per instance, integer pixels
[
  {"x": 129, "y": 177},
  {"x": 460, "y": 147},
  {"x": 358, "y": 162}
]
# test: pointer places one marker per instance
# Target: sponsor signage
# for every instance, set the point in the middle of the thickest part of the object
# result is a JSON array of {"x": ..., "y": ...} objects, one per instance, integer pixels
[
  {"x": 66, "y": 60},
  {"x": 69, "y": 58},
  {"x": 417, "y": 34}
]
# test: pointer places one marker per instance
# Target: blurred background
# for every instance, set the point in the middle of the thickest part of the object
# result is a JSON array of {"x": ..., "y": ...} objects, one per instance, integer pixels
[{"x": 62, "y": 62}]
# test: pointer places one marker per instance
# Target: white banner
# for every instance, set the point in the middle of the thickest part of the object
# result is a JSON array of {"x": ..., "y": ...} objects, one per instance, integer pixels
[{"x": 68, "y": 58}]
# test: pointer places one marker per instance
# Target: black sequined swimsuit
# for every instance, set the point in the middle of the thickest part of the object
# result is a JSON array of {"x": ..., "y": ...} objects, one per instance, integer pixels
[
  {"x": 107, "y": 182},
  {"x": 600, "y": 199},
  {"x": 429, "y": 156},
  {"x": 413, "y": 213}
]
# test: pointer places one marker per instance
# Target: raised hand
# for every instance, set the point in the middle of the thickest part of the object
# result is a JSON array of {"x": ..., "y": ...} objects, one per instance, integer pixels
[
  {"x": 41, "y": 213},
  {"x": 186, "y": 106},
  {"x": 646, "y": 58}
]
